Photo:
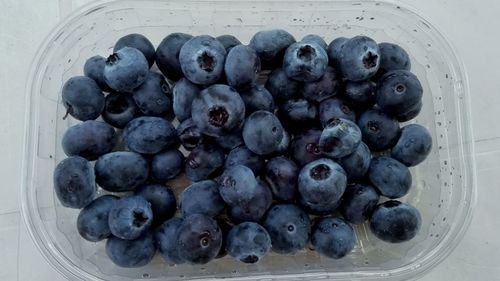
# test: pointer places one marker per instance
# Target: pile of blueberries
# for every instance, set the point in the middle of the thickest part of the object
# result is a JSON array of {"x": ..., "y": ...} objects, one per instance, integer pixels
[{"x": 286, "y": 145}]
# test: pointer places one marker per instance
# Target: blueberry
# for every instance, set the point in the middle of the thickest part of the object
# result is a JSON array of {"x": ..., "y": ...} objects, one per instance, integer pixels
[
  {"x": 167, "y": 55},
  {"x": 282, "y": 174},
  {"x": 284, "y": 144},
  {"x": 121, "y": 171},
  {"x": 166, "y": 240},
  {"x": 358, "y": 203},
  {"x": 281, "y": 87},
  {"x": 92, "y": 221},
  {"x": 119, "y": 109},
  {"x": 167, "y": 165},
  {"x": 94, "y": 68},
  {"x": 298, "y": 114},
  {"x": 217, "y": 110},
  {"x": 201, "y": 198},
  {"x": 126, "y": 69},
  {"x": 140, "y": 42},
  {"x": 398, "y": 92},
  {"x": 340, "y": 138},
  {"x": 356, "y": 164},
  {"x": 162, "y": 200},
  {"x": 334, "y": 50},
  {"x": 242, "y": 67},
  {"x": 184, "y": 93},
  {"x": 253, "y": 209},
  {"x": 262, "y": 132},
  {"x": 203, "y": 162},
  {"x": 131, "y": 253},
  {"x": 313, "y": 38},
  {"x": 410, "y": 113},
  {"x": 189, "y": 135},
  {"x": 333, "y": 237},
  {"x": 359, "y": 58},
  {"x": 74, "y": 182},
  {"x": 335, "y": 108},
  {"x": 243, "y": 156},
  {"x": 327, "y": 86},
  {"x": 202, "y": 59},
  {"x": 379, "y": 131},
  {"x": 395, "y": 222},
  {"x": 270, "y": 45},
  {"x": 305, "y": 62},
  {"x": 305, "y": 147},
  {"x": 89, "y": 139},
  {"x": 257, "y": 98},
  {"x": 248, "y": 242},
  {"x": 82, "y": 98},
  {"x": 153, "y": 97},
  {"x": 149, "y": 135},
  {"x": 237, "y": 184},
  {"x": 228, "y": 41},
  {"x": 393, "y": 57},
  {"x": 289, "y": 228},
  {"x": 199, "y": 239},
  {"x": 321, "y": 185},
  {"x": 130, "y": 217},
  {"x": 413, "y": 146},
  {"x": 390, "y": 177},
  {"x": 360, "y": 94}
]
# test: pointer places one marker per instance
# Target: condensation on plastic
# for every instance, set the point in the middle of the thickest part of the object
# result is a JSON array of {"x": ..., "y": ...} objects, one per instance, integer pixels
[{"x": 443, "y": 187}]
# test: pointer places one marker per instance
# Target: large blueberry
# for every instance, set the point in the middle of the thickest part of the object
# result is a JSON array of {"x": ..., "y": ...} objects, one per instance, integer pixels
[
  {"x": 379, "y": 131},
  {"x": 126, "y": 69},
  {"x": 333, "y": 237},
  {"x": 119, "y": 109},
  {"x": 248, "y": 242},
  {"x": 140, "y": 42},
  {"x": 82, "y": 98},
  {"x": 395, "y": 222},
  {"x": 167, "y": 54},
  {"x": 270, "y": 45},
  {"x": 153, "y": 97},
  {"x": 130, "y": 217},
  {"x": 358, "y": 203},
  {"x": 94, "y": 68},
  {"x": 282, "y": 174},
  {"x": 281, "y": 87},
  {"x": 217, "y": 110},
  {"x": 74, "y": 182},
  {"x": 254, "y": 208},
  {"x": 257, "y": 98},
  {"x": 305, "y": 62},
  {"x": 321, "y": 184},
  {"x": 202, "y": 198},
  {"x": 390, "y": 177},
  {"x": 131, "y": 253},
  {"x": 162, "y": 200},
  {"x": 360, "y": 94},
  {"x": 305, "y": 147},
  {"x": 262, "y": 132},
  {"x": 237, "y": 185},
  {"x": 203, "y": 162},
  {"x": 184, "y": 93},
  {"x": 327, "y": 86},
  {"x": 121, "y": 171},
  {"x": 393, "y": 57},
  {"x": 359, "y": 58},
  {"x": 334, "y": 50},
  {"x": 92, "y": 221},
  {"x": 89, "y": 139},
  {"x": 166, "y": 240},
  {"x": 356, "y": 164},
  {"x": 340, "y": 138},
  {"x": 298, "y": 114},
  {"x": 149, "y": 135},
  {"x": 202, "y": 59},
  {"x": 289, "y": 228},
  {"x": 242, "y": 67},
  {"x": 243, "y": 156},
  {"x": 199, "y": 239},
  {"x": 413, "y": 146},
  {"x": 167, "y": 165},
  {"x": 335, "y": 108}
]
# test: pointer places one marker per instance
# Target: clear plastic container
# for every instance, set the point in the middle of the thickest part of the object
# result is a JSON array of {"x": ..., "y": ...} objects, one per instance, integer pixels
[{"x": 443, "y": 187}]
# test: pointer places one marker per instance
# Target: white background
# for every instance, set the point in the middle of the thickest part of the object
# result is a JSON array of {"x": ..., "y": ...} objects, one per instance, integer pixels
[{"x": 472, "y": 26}]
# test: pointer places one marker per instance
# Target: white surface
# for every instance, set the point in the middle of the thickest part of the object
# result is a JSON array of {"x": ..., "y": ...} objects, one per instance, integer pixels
[{"x": 472, "y": 26}]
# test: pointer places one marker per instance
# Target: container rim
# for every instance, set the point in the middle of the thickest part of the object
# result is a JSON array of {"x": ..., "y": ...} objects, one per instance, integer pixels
[{"x": 53, "y": 254}]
